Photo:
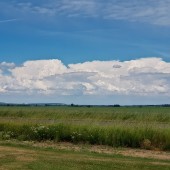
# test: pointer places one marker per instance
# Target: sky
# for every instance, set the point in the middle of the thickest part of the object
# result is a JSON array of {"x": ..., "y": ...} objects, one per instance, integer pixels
[{"x": 85, "y": 51}]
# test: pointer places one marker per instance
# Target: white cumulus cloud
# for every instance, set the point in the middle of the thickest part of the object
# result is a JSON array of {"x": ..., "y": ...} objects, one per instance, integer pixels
[{"x": 143, "y": 77}]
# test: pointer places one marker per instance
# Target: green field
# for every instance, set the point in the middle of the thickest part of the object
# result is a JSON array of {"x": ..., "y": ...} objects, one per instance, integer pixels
[
  {"x": 45, "y": 114},
  {"x": 137, "y": 127},
  {"x": 117, "y": 127},
  {"x": 27, "y": 156}
]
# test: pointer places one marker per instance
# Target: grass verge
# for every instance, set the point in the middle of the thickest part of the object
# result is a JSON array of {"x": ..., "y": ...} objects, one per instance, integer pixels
[{"x": 18, "y": 156}]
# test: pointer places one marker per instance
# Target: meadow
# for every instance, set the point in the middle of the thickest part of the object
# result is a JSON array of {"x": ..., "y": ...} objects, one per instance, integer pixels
[{"x": 134, "y": 127}]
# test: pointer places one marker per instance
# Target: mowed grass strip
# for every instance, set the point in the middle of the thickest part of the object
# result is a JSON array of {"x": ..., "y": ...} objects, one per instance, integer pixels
[{"x": 28, "y": 157}]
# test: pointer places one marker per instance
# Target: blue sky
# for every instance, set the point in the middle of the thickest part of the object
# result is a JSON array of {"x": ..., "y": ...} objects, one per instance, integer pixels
[{"x": 80, "y": 31}]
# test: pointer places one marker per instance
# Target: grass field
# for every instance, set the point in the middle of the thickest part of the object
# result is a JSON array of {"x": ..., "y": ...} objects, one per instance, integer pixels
[
  {"x": 26, "y": 156},
  {"x": 45, "y": 114},
  {"x": 115, "y": 127},
  {"x": 137, "y": 127}
]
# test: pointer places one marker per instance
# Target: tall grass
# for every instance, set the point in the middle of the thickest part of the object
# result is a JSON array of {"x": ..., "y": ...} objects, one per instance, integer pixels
[
  {"x": 148, "y": 137},
  {"x": 146, "y": 114},
  {"x": 146, "y": 127}
]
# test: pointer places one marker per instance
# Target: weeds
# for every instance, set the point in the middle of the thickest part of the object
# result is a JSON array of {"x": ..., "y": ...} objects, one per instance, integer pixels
[
  {"x": 117, "y": 136},
  {"x": 146, "y": 127}
]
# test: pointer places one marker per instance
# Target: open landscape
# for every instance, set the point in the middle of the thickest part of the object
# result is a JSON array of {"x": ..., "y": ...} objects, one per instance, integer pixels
[
  {"x": 84, "y": 137},
  {"x": 84, "y": 85}
]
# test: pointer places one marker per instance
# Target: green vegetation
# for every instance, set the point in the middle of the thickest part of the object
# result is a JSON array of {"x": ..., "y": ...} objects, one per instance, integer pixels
[
  {"x": 16, "y": 156},
  {"x": 145, "y": 127},
  {"x": 149, "y": 114}
]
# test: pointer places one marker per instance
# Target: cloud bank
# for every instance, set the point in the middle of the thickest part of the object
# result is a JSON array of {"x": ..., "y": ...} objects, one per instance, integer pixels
[{"x": 140, "y": 77}]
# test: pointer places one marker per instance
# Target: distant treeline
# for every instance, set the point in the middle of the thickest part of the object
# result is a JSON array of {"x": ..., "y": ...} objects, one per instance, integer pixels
[{"x": 76, "y": 105}]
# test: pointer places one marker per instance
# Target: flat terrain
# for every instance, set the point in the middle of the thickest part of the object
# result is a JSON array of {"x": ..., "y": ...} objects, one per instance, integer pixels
[
  {"x": 101, "y": 115},
  {"x": 61, "y": 156},
  {"x": 85, "y": 138}
]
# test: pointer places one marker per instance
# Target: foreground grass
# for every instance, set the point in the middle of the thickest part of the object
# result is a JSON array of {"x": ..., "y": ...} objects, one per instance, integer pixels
[{"x": 17, "y": 156}]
